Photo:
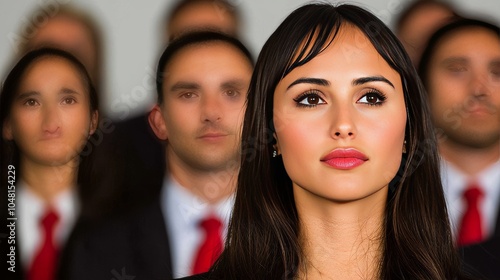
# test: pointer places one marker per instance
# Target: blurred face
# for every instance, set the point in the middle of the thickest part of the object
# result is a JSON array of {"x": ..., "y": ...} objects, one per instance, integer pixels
[
  {"x": 70, "y": 35},
  {"x": 50, "y": 120},
  {"x": 464, "y": 87},
  {"x": 420, "y": 26},
  {"x": 201, "y": 16},
  {"x": 204, "y": 93},
  {"x": 340, "y": 122}
]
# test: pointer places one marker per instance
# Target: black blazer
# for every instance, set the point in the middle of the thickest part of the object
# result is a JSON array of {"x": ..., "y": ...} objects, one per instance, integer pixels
[
  {"x": 483, "y": 259},
  {"x": 131, "y": 247}
]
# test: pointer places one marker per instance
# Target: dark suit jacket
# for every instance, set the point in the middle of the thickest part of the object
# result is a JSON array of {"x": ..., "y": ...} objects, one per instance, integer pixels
[
  {"x": 483, "y": 259},
  {"x": 132, "y": 247}
]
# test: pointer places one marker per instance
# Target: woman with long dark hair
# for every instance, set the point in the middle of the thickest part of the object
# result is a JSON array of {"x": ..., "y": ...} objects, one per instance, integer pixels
[{"x": 340, "y": 174}]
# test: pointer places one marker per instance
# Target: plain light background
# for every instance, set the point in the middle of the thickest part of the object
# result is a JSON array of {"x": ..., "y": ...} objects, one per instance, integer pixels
[{"x": 132, "y": 37}]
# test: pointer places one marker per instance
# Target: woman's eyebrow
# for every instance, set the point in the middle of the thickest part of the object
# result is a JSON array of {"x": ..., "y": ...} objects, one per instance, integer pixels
[
  {"x": 27, "y": 94},
  {"x": 364, "y": 80},
  {"x": 66, "y": 90},
  {"x": 315, "y": 81}
]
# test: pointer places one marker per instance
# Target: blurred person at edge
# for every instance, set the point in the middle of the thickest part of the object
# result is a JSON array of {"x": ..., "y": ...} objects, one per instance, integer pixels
[
  {"x": 103, "y": 195},
  {"x": 416, "y": 23},
  {"x": 49, "y": 114},
  {"x": 191, "y": 15},
  {"x": 75, "y": 31},
  {"x": 460, "y": 69}
]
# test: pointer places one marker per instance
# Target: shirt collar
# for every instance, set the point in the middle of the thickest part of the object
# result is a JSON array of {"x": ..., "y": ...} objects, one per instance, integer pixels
[
  {"x": 456, "y": 181},
  {"x": 188, "y": 209},
  {"x": 65, "y": 203}
]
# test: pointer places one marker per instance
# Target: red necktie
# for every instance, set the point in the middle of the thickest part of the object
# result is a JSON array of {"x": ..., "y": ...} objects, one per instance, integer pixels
[
  {"x": 211, "y": 247},
  {"x": 44, "y": 263},
  {"x": 470, "y": 227}
]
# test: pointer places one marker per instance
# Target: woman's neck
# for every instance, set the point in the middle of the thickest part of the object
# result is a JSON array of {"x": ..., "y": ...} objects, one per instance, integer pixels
[
  {"x": 48, "y": 181},
  {"x": 341, "y": 240}
]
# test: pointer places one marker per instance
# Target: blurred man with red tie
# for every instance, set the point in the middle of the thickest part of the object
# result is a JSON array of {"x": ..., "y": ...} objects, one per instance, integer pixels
[
  {"x": 461, "y": 70},
  {"x": 202, "y": 83}
]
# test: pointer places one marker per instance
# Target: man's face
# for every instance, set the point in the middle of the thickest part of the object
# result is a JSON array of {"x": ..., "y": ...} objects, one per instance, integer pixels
[
  {"x": 464, "y": 87},
  {"x": 204, "y": 92}
]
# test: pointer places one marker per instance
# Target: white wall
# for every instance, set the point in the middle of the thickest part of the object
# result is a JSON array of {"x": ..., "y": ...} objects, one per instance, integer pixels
[{"x": 132, "y": 37}]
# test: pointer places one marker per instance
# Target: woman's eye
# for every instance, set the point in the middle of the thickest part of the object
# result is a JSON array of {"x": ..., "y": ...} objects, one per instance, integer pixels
[
  {"x": 69, "y": 101},
  {"x": 457, "y": 68},
  {"x": 309, "y": 100},
  {"x": 372, "y": 98},
  {"x": 31, "y": 102}
]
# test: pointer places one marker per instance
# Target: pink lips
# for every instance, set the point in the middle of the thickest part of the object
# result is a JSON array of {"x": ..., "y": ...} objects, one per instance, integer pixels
[
  {"x": 344, "y": 159},
  {"x": 212, "y": 136}
]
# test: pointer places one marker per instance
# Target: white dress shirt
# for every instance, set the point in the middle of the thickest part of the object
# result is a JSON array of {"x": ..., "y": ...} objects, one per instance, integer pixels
[
  {"x": 183, "y": 212},
  {"x": 455, "y": 182},
  {"x": 30, "y": 210}
]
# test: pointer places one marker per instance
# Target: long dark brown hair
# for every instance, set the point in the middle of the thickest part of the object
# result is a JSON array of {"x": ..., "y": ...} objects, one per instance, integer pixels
[{"x": 262, "y": 241}]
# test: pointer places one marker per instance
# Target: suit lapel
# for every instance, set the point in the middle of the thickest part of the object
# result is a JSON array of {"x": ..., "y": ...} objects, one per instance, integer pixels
[{"x": 152, "y": 244}]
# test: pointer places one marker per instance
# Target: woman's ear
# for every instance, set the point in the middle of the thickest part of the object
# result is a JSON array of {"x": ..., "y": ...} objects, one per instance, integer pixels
[
  {"x": 94, "y": 119},
  {"x": 276, "y": 145},
  {"x": 7, "y": 130},
  {"x": 157, "y": 123}
]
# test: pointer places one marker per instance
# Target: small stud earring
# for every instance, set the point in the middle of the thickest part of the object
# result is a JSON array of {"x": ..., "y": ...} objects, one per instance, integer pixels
[
  {"x": 404, "y": 147},
  {"x": 275, "y": 153}
]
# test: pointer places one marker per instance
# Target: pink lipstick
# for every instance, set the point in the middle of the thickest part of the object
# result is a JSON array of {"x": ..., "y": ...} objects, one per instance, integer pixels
[{"x": 344, "y": 159}]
